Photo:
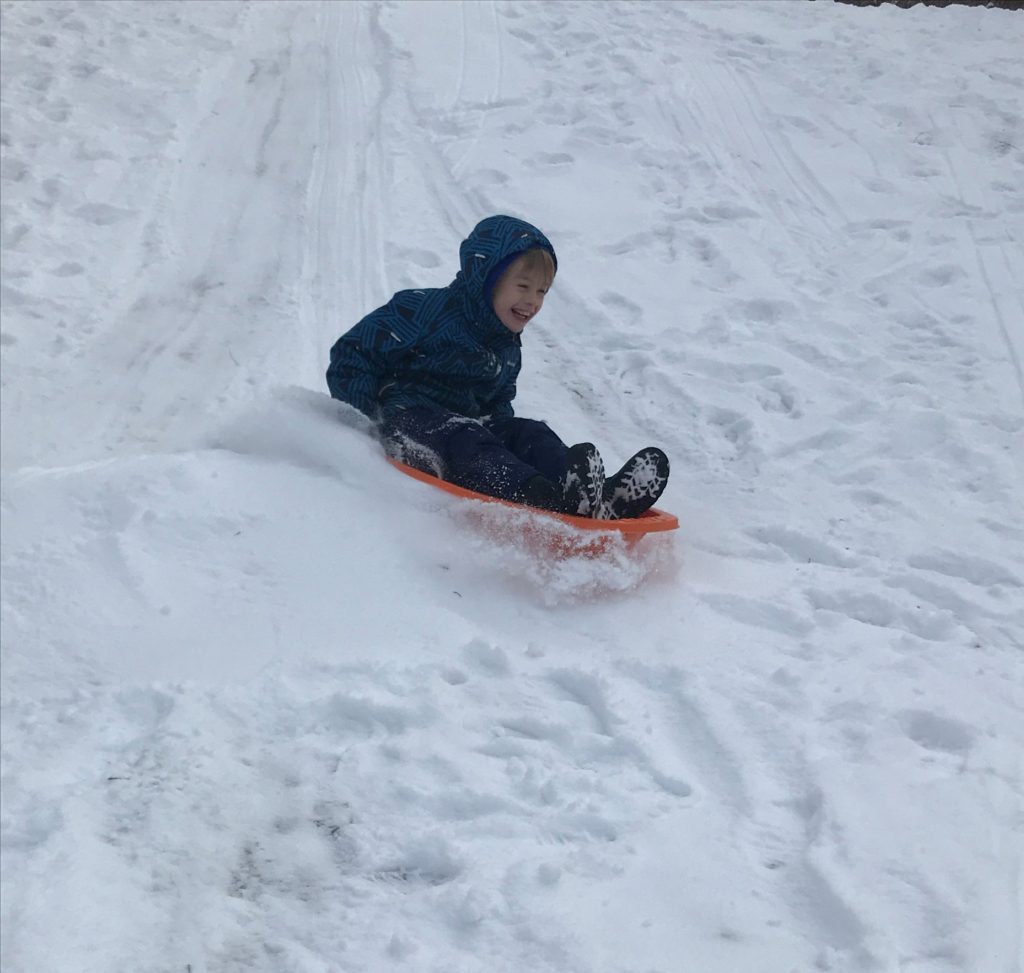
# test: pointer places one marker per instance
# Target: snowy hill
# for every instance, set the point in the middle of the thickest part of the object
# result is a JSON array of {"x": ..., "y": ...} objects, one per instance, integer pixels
[{"x": 270, "y": 706}]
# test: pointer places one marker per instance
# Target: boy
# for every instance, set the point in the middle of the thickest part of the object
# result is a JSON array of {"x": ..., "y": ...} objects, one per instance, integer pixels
[{"x": 436, "y": 371}]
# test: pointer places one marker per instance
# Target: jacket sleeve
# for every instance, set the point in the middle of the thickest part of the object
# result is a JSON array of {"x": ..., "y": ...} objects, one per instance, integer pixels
[
  {"x": 362, "y": 358},
  {"x": 501, "y": 408}
]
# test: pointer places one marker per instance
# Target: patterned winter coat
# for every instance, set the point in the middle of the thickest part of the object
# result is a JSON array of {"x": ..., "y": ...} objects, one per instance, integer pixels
[{"x": 444, "y": 346}]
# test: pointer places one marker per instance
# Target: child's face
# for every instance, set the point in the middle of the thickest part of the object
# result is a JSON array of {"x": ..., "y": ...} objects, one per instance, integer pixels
[{"x": 519, "y": 296}]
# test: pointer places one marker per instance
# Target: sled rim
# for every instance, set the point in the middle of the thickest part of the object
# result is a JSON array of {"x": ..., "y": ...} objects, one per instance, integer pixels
[{"x": 651, "y": 521}]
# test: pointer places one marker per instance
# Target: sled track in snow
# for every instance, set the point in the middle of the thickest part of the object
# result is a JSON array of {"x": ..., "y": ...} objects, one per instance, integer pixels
[{"x": 1007, "y": 299}]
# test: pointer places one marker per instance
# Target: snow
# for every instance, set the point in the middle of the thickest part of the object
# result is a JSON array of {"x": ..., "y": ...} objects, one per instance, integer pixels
[{"x": 270, "y": 706}]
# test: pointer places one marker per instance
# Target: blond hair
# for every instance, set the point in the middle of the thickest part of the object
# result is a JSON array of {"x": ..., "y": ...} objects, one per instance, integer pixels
[{"x": 536, "y": 260}]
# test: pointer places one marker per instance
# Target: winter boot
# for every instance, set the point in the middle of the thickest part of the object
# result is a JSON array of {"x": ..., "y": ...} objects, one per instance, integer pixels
[
  {"x": 636, "y": 487},
  {"x": 578, "y": 492},
  {"x": 583, "y": 483}
]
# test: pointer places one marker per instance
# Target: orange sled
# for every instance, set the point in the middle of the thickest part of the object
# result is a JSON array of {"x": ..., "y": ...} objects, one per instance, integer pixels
[{"x": 559, "y": 534}]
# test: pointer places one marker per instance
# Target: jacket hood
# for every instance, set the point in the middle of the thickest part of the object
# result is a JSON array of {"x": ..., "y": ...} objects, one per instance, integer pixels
[{"x": 492, "y": 241}]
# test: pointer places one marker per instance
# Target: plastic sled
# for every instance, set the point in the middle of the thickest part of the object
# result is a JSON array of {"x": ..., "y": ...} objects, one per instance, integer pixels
[{"x": 562, "y": 535}]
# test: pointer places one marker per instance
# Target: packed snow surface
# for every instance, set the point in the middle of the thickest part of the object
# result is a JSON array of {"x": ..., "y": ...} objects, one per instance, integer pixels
[{"x": 270, "y": 706}]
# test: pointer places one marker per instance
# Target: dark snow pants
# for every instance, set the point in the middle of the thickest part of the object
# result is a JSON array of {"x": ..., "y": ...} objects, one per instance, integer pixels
[{"x": 492, "y": 456}]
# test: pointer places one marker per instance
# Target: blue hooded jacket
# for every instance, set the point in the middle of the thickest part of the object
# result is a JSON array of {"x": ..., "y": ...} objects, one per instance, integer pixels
[{"x": 443, "y": 347}]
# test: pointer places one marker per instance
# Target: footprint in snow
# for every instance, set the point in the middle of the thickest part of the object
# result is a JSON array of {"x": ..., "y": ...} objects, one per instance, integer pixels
[
  {"x": 975, "y": 570},
  {"x": 871, "y": 609},
  {"x": 103, "y": 214},
  {"x": 551, "y": 159},
  {"x": 760, "y": 614},
  {"x": 937, "y": 733},
  {"x": 621, "y": 307},
  {"x": 941, "y": 276},
  {"x": 489, "y": 177},
  {"x": 799, "y": 547},
  {"x": 489, "y": 659}
]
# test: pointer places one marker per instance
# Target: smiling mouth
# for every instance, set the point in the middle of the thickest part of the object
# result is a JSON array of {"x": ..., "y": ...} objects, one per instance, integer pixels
[{"x": 520, "y": 316}]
